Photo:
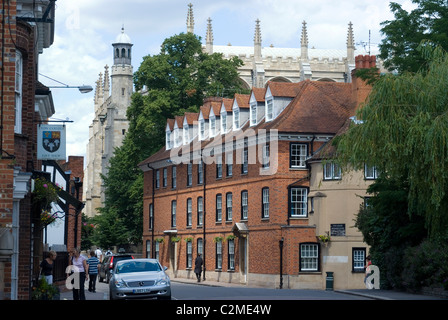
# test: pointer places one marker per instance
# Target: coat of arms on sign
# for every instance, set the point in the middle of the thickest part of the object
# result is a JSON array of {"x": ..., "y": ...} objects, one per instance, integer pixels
[{"x": 51, "y": 140}]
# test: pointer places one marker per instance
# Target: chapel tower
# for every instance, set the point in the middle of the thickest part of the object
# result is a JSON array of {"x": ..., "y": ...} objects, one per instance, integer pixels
[{"x": 110, "y": 124}]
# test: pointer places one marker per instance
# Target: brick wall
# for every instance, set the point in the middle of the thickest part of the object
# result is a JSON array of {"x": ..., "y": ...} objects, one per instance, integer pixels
[{"x": 264, "y": 234}]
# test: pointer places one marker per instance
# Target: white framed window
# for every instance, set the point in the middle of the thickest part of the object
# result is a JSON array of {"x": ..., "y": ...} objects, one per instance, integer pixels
[
  {"x": 298, "y": 202},
  {"x": 212, "y": 126},
  {"x": 297, "y": 154},
  {"x": 332, "y": 171},
  {"x": 174, "y": 177},
  {"x": 359, "y": 258},
  {"x": 265, "y": 203},
  {"x": 200, "y": 172},
  {"x": 200, "y": 211},
  {"x": 157, "y": 179},
  {"x": 189, "y": 212},
  {"x": 201, "y": 129},
  {"x": 266, "y": 155},
  {"x": 189, "y": 254},
  {"x": 370, "y": 172},
  {"x": 189, "y": 174},
  {"x": 309, "y": 257},
  {"x": 200, "y": 246},
  {"x": 173, "y": 213},
  {"x": 177, "y": 138},
  {"x": 151, "y": 216},
  {"x": 245, "y": 164},
  {"x": 165, "y": 177},
  {"x": 244, "y": 205},
  {"x": 223, "y": 122},
  {"x": 231, "y": 256},
  {"x": 186, "y": 134},
  {"x": 269, "y": 109},
  {"x": 236, "y": 118},
  {"x": 169, "y": 144},
  {"x": 218, "y": 208},
  {"x": 229, "y": 206},
  {"x": 253, "y": 114},
  {"x": 148, "y": 249},
  {"x": 219, "y": 255},
  {"x": 229, "y": 164},
  {"x": 18, "y": 93},
  {"x": 157, "y": 250}
]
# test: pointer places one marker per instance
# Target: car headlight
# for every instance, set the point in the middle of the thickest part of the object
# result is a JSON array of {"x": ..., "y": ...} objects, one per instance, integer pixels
[
  {"x": 162, "y": 282},
  {"x": 120, "y": 283}
]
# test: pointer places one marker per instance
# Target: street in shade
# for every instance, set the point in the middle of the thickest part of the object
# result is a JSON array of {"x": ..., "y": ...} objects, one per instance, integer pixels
[{"x": 183, "y": 289}]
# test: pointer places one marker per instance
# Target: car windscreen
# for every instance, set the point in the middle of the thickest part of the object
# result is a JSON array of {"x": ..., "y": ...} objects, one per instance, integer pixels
[{"x": 138, "y": 266}]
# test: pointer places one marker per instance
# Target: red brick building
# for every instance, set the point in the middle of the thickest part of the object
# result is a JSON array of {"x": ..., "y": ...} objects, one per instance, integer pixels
[
  {"x": 232, "y": 183},
  {"x": 23, "y": 103}
]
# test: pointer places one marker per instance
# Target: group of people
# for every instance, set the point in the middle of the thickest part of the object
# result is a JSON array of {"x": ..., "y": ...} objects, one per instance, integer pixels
[{"x": 86, "y": 268}]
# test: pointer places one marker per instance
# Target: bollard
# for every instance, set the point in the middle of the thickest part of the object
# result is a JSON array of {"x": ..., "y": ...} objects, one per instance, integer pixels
[{"x": 329, "y": 281}]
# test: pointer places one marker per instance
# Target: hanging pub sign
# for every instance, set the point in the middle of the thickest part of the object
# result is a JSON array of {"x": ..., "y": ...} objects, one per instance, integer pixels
[{"x": 51, "y": 142}]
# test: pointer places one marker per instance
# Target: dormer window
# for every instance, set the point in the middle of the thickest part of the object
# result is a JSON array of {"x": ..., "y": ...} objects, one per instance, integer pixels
[
  {"x": 253, "y": 114},
  {"x": 186, "y": 134},
  {"x": 212, "y": 125},
  {"x": 176, "y": 137},
  {"x": 269, "y": 109},
  {"x": 223, "y": 122},
  {"x": 236, "y": 118},
  {"x": 201, "y": 129},
  {"x": 169, "y": 144}
]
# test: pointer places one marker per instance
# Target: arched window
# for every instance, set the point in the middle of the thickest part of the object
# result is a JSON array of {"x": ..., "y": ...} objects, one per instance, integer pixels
[{"x": 123, "y": 53}]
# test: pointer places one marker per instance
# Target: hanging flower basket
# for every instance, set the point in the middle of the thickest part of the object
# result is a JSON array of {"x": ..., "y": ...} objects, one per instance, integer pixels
[
  {"x": 175, "y": 239},
  {"x": 188, "y": 239},
  {"x": 159, "y": 240},
  {"x": 217, "y": 239},
  {"x": 45, "y": 192},
  {"x": 325, "y": 238},
  {"x": 47, "y": 218}
]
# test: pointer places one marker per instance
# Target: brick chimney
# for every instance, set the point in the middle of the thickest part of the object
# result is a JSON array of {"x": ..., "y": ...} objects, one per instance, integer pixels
[{"x": 360, "y": 89}]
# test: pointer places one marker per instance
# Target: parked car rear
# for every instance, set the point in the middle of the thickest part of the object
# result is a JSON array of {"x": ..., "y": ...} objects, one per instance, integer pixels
[{"x": 108, "y": 265}]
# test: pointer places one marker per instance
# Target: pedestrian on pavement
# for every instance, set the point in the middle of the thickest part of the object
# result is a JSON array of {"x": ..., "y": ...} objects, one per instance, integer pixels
[
  {"x": 198, "y": 267},
  {"x": 99, "y": 254},
  {"x": 80, "y": 264},
  {"x": 367, "y": 267},
  {"x": 93, "y": 263},
  {"x": 47, "y": 267}
]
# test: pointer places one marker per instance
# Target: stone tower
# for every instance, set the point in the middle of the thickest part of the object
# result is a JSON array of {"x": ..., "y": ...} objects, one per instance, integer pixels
[{"x": 110, "y": 124}]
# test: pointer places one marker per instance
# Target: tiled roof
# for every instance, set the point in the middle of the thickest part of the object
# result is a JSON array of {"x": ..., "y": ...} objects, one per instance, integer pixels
[{"x": 316, "y": 108}]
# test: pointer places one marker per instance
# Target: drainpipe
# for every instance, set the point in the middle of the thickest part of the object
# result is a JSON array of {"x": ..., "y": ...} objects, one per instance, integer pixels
[
  {"x": 204, "y": 219},
  {"x": 153, "y": 210},
  {"x": 281, "y": 262}
]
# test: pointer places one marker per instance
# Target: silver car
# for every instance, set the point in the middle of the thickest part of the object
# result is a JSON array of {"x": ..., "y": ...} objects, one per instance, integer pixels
[{"x": 139, "y": 278}]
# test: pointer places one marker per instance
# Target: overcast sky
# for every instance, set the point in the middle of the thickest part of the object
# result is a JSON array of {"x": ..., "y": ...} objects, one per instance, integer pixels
[{"x": 86, "y": 29}]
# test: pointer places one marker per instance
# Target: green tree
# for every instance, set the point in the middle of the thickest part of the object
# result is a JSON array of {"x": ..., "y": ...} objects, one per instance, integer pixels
[
  {"x": 405, "y": 134},
  {"x": 168, "y": 84},
  {"x": 428, "y": 21}
]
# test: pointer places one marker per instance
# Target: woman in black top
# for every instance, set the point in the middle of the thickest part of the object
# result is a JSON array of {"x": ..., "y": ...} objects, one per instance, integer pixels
[{"x": 47, "y": 267}]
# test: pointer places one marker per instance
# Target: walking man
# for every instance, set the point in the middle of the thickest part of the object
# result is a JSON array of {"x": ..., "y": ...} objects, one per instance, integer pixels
[{"x": 198, "y": 267}]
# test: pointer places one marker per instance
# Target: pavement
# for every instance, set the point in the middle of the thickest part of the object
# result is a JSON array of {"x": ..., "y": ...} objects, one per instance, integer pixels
[{"x": 375, "y": 294}]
